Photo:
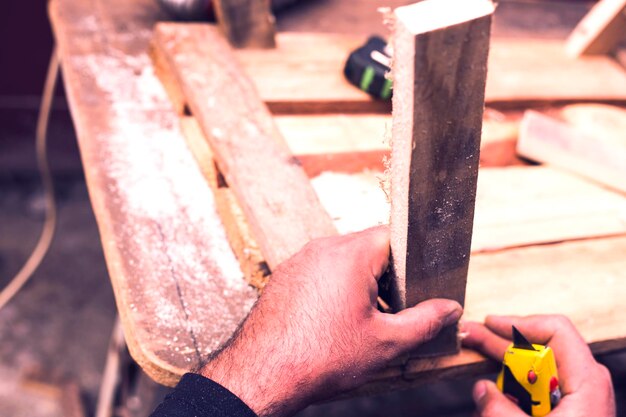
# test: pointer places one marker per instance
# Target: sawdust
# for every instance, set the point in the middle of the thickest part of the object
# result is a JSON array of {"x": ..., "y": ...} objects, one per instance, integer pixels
[{"x": 182, "y": 284}]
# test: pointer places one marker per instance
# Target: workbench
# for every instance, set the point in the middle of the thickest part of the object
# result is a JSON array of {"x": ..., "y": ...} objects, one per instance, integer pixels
[{"x": 179, "y": 287}]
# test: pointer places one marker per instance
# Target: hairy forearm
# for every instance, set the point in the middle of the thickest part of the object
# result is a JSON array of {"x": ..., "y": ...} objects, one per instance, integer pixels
[{"x": 274, "y": 387}]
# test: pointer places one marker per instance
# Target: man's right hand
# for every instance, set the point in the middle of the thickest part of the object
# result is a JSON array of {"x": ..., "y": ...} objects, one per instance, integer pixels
[{"x": 586, "y": 385}]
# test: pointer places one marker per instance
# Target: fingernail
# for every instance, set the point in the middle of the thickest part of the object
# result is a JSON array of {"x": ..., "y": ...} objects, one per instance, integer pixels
[
  {"x": 463, "y": 330},
  {"x": 453, "y": 317},
  {"x": 480, "y": 389}
]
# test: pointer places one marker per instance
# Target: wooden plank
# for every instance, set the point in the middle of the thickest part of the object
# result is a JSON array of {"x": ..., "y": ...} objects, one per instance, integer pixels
[
  {"x": 351, "y": 143},
  {"x": 439, "y": 72},
  {"x": 247, "y": 146},
  {"x": 238, "y": 232},
  {"x": 246, "y": 23},
  {"x": 146, "y": 190},
  {"x": 521, "y": 71},
  {"x": 600, "y": 30},
  {"x": 304, "y": 74},
  {"x": 597, "y": 157},
  {"x": 515, "y": 206}
]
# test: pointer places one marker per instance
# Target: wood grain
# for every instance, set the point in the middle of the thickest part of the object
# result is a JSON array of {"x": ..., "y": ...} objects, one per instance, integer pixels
[
  {"x": 238, "y": 232},
  {"x": 439, "y": 72},
  {"x": 168, "y": 259},
  {"x": 599, "y": 157},
  {"x": 600, "y": 30},
  {"x": 247, "y": 146},
  {"x": 246, "y": 23}
]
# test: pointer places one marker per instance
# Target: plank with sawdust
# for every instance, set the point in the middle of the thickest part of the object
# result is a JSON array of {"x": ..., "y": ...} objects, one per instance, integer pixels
[
  {"x": 241, "y": 240},
  {"x": 248, "y": 148},
  {"x": 168, "y": 259}
]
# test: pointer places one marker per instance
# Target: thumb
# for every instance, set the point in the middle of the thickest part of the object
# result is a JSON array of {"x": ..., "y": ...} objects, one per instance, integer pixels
[
  {"x": 414, "y": 326},
  {"x": 490, "y": 402}
]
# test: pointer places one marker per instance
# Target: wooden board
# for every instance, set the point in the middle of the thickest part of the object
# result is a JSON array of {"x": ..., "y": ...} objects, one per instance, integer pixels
[
  {"x": 439, "y": 71},
  {"x": 246, "y": 23},
  {"x": 238, "y": 232},
  {"x": 351, "y": 143},
  {"x": 247, "y": 146},
  {"x": 168, "y": 259},
  {"x": 521, "y": 72},
  {"x": 515, "y": 206},
  {"x": 600, "y": 30},
  {"x": 592, "y": 155}
]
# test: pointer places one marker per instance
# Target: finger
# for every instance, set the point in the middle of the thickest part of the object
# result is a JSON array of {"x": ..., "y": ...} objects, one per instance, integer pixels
[
  {"x": 373, "y": 247},
  {"x": 573, "y": 356},
  {"x": 413, "y": 326},
  {"x": 490, "y": 402},
  {"x": 480, "y": 338}
]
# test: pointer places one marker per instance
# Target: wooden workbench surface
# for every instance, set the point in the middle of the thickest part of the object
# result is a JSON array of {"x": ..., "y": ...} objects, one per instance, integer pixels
[{"x": 178, "y": 286}]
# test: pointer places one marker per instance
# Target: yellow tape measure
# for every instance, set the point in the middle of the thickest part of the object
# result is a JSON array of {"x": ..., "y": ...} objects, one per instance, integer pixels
[{"x": 529, "y": 376}]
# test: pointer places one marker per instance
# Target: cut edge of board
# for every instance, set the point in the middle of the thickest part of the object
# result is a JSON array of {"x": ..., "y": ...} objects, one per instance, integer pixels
[{"x": 430, "y": 15}]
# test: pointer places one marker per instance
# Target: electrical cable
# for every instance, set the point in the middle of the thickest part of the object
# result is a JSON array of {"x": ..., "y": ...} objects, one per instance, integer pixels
[{"x": 47, "y": 232}]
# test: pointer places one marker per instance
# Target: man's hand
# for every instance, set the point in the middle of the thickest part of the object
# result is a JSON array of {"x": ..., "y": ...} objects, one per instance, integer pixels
[
  {"x": 315, "y": 331},
  {"x": 585, "y": 384}
]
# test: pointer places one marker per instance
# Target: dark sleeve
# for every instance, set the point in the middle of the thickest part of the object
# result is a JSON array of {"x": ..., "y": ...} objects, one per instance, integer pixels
[{"x": 197, "y": 396}]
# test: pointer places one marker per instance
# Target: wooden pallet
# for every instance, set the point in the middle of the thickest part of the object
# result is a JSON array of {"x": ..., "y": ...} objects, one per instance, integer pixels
[{"x": 178, "y": 284}]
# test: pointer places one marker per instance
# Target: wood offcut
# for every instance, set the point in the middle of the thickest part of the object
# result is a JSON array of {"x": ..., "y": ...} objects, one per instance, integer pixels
[
  {"x": 595, "y": 156},
  {"x": 600, "y": 30},
  {"x": 439, "y": 71}
]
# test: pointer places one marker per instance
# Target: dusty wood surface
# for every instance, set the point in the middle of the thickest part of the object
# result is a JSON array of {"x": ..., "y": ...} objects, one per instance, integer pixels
[
  {"x": 167, "y": 255},
  {"x": 238, "y": 232},
  {"x": 247, "y": 146},
  {"x": 590, "y": 154},
  {"x": 439, "y": 74},
  {"x": 246, "y": 23},
  {"x": 600, "y": 30}
]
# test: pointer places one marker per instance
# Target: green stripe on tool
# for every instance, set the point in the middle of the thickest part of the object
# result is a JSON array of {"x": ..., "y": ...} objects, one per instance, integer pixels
[
  {"x": 367, "y": 78},
  {"x": 386, "y": 93}
]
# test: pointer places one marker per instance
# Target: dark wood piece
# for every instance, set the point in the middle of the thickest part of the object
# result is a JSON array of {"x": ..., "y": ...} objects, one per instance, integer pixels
[
  {"x": 440, "y": 69},
  {"x": 246, "y": 23}
]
